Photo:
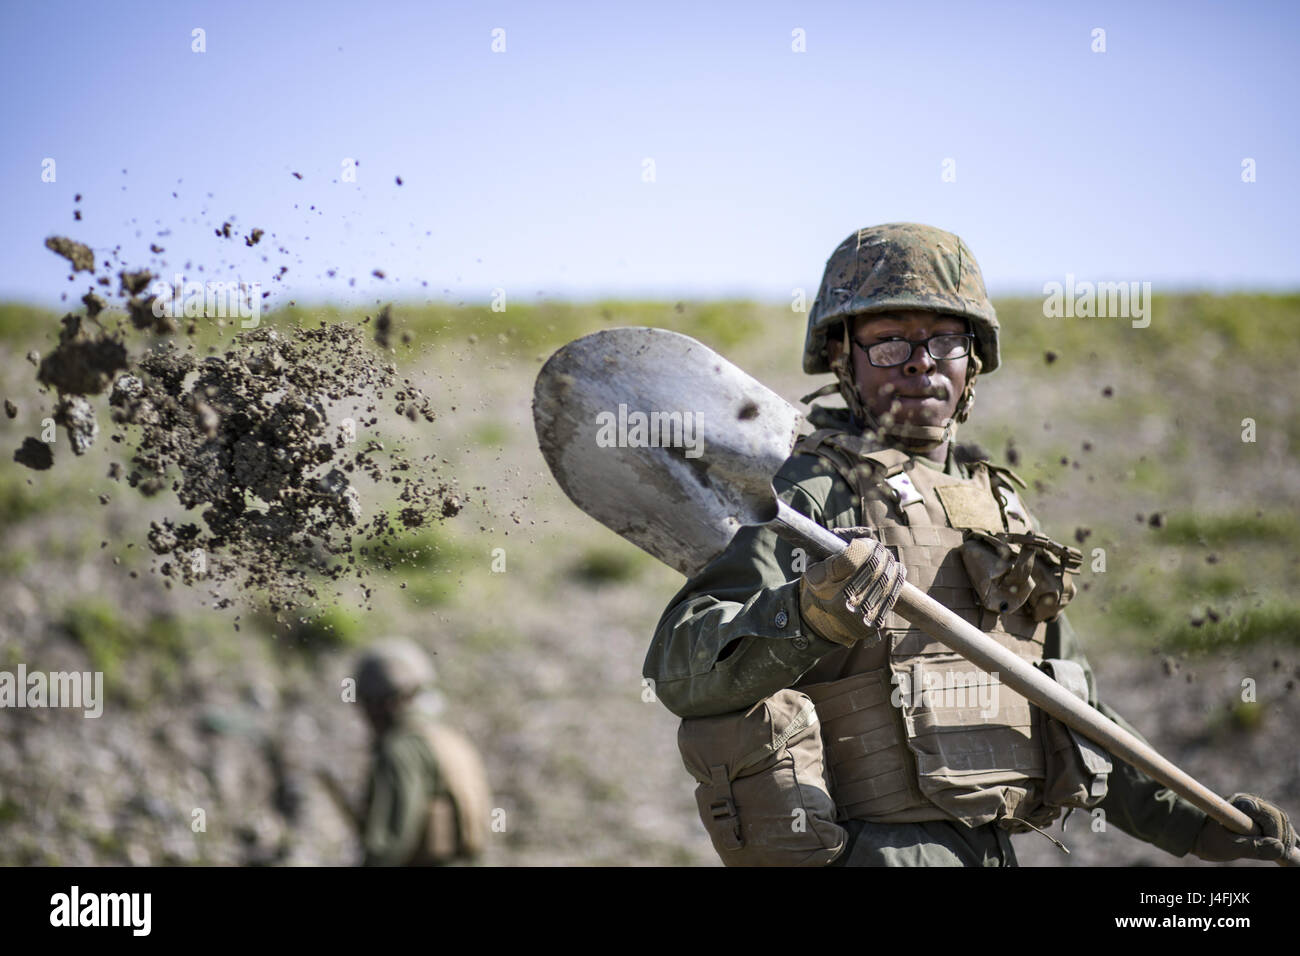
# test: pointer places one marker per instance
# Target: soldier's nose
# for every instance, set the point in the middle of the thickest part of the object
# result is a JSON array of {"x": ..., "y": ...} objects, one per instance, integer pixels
[{"x": 920, "y": 361}]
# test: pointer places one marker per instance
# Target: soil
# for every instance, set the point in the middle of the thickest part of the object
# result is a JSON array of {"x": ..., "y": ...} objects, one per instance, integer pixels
[
  {"x": 80, "y": 255},
  {"x": 254, "y": 439}
]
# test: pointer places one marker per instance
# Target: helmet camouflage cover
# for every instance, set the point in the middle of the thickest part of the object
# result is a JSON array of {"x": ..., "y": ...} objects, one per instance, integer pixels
[{"x": 901, "y": 265}]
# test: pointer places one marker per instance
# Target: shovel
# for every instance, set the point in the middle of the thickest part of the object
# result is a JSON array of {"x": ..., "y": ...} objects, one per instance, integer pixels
[{"x": 665, "y": 442}]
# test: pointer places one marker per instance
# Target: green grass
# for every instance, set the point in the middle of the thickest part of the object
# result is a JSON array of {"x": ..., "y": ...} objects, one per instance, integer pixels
[
  {"x": 1276, "y": 622},
  {"x": 20, "y": 501},
  {"x": 1244, "y": 323},
  {"x": 1220, "y": 530},
  {"x": 25, "y": 323},
  {"x": 1241, "y": 322},
  {"x": 522, "y": 330},
  {"x": 431, "y": 589},
  {"x": 604, "y": 564},
  {"x": 112, "y": 642},
  {"x": 9, "y": 810},
  {"x": 14, "y": 560},
  {"x": 428, "y": 548},
  {"x": 491, "y": 434},
  {"x": 332, "y": 628}
]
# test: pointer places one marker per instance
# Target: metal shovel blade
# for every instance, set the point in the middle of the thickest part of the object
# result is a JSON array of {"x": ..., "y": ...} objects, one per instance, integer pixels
[{"x": 662, "y": 440}]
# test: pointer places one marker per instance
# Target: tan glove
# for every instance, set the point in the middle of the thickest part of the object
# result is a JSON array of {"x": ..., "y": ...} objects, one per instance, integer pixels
[
  {"x": 849, "y": 595},
  {"x": 1217, "y": 843}
]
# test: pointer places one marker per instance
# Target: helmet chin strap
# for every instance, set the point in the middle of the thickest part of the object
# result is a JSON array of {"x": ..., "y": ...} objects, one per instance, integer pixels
[{"x": 885, "y": 427}]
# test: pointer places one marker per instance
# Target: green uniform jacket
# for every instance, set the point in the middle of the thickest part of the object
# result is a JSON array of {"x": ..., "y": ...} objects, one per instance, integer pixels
[
  {"x": 402, "y": 783},
  {"x": 733, "y": 636}
]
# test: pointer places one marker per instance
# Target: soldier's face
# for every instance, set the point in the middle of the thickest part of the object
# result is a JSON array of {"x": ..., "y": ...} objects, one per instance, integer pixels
[{"x": 921, "y": 391}]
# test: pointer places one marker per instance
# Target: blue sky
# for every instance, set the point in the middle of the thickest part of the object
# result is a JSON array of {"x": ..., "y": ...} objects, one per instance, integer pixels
[{"x": 523, "y": 170}]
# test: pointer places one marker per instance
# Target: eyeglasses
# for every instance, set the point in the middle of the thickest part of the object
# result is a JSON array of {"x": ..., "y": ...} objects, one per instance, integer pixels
[{"x": 942, "y": 347}]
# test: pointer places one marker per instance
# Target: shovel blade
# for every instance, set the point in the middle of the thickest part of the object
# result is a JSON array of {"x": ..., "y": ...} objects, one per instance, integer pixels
[{"x": 662, "y": 440}]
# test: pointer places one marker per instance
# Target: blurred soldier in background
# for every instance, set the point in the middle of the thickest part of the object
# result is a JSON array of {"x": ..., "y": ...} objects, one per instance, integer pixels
[{"x": 428, "y": 802}]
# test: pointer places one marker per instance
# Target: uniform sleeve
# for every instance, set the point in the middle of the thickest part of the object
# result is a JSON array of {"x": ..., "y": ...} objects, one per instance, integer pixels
[
  {"x": 733, "y": 634},
  {"x": 1140, "y": 806},
  {"x": 398, "y": 804}
]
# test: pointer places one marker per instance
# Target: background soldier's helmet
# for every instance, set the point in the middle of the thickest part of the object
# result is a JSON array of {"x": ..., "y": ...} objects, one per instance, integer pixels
[
  {"x": 901, "y": 265},
  {"x": 393, "y": 667}
]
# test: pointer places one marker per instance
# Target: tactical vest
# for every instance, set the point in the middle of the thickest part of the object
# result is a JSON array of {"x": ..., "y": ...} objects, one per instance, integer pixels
[{"x": 912, "y": 730}]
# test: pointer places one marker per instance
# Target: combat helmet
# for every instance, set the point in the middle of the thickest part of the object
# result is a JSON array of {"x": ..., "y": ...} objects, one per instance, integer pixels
[
  {"x": 901, "y": 265},
  {"x": 892, "y": 267},
  {"x": 393, "y": 668}
]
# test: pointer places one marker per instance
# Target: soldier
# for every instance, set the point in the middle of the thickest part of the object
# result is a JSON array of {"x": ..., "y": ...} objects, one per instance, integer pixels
[
  {"x": 920, "y": 775},
  {"x": 428, "y": 802}
]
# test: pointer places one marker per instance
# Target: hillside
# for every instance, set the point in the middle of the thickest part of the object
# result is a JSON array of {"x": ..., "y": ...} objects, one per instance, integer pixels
[{"x": 1131, "y": 440}]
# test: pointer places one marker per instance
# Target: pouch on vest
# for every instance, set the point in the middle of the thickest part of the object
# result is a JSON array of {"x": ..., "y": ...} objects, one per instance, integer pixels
[
  {"x": 1077, "y": 768},
  {"x": 1009, "y": 571},
  {"x": 762, "y": 791}
]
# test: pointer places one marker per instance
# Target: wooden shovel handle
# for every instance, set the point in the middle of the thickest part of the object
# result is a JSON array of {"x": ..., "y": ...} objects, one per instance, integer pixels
[{"x": 1013, "y": 671}]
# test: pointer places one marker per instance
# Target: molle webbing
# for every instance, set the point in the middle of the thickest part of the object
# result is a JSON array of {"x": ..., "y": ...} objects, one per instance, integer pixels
[{"x": 960, "y": 745}]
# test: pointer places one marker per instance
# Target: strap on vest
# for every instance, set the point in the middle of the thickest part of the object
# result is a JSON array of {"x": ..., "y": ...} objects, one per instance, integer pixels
[
  {"x": 813, "y": 442},
  {"x": 847, "y": 454},
  {"x": 891, "y": 460},
  {"x": 1059, "y": 845},
  {"x": 1003, "y": 470},
  {"x": 911, "y": 503},
  {"x": 725, "y": 807}
]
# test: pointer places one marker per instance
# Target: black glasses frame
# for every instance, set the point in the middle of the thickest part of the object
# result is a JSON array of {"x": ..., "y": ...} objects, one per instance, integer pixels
[{"x": 969, "y": 337}]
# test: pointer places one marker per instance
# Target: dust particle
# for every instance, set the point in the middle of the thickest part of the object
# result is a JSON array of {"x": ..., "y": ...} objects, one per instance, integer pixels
[
  {"x": 93, "y": 303},
  {"x": 81, "y": 365},
  {"x": 384, "y": 327},
  {"x": 133, "y": 283},
  {"x": 34, "y": 454},
  {"x": 77, "y": 416},
  {"x": 80, "y": 255}
]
